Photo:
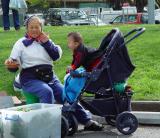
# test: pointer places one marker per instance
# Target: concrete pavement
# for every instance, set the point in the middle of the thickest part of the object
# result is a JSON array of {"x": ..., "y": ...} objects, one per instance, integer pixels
[{"x": 111, "y": 132}]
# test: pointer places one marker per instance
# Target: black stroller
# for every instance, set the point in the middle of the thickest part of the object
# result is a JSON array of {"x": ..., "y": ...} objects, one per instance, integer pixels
[{"x": 115, "y": 66}]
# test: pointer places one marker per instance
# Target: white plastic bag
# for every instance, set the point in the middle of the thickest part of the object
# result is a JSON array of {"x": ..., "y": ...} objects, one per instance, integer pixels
[{"x": 19, "y": 5}]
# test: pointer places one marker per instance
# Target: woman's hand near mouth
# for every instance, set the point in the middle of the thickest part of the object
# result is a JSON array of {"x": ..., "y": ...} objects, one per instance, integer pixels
[{"x": 43, "y": 37}]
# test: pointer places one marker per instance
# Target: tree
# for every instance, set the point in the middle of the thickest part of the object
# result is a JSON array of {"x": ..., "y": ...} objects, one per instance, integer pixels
[
  {"x": 33, "y": 2},
  {"x": 140, "y": 5},
  {"x": 41, "y": 3},
  {"x": 38, "y": 4},
  {"x": 115, "y": 3}
]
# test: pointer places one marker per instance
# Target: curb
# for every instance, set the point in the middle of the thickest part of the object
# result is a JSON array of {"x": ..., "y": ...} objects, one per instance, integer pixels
[
  {"x": 150, "y": 106},
  {"x": 148, "y": 117}
]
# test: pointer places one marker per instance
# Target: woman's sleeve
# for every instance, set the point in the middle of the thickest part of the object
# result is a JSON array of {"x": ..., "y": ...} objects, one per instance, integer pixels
[
  {"x": 54, "y": 51},
  {"x": 16, "y": 50}
]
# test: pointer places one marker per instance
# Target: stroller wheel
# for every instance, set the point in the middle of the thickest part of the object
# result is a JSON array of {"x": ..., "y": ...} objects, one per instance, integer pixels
[
  {"x": 110, "y": 120},
  {"x": 64, "y": 127},
  {"x": 126, "y": 123},
  {"x": 73, "y": 124}
]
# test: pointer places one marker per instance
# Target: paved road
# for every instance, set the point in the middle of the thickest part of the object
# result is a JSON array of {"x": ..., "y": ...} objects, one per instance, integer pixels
[{"x": 111, "y": 132}]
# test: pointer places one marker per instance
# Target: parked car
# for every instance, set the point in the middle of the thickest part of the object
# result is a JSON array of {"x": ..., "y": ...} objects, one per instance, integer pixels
[
  {"x": 40, "y": 15},
  {"x": 66, "y": 16},
  {"x": 139, "y": 18},
  {"x": 96, "y": 20},
  {"x": 109, "y": 15}
]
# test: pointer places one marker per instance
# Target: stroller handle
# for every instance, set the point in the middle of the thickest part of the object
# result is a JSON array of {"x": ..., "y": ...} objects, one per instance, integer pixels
[{"x": 139, "y": 32}]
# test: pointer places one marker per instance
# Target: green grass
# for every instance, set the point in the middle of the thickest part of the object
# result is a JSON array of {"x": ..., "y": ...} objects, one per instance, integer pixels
[{"x": 144, "y": 52}]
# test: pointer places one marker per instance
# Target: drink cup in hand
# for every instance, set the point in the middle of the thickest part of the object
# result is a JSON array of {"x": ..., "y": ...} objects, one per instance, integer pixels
[{"x": 12, "y": 65}]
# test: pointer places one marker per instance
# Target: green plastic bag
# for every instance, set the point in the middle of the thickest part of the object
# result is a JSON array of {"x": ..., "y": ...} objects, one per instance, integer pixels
[{"x": 120, "y": 87}]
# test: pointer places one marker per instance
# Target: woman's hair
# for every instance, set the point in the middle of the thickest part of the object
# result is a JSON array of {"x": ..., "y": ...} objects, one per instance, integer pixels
[
  {"x": 77, "y": 37},
  {"x": 28, "y": 20}
]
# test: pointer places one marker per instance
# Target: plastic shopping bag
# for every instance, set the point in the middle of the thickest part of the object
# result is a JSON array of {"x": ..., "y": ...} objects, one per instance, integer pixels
[{"x": 19, "y": 5}]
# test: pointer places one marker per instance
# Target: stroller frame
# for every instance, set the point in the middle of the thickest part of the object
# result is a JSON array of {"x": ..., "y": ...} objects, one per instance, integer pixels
[{"x": 121, "y": 118}]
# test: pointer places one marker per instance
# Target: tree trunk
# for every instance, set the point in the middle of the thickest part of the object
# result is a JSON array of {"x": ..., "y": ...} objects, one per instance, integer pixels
[{"x": 117, "y": 4}]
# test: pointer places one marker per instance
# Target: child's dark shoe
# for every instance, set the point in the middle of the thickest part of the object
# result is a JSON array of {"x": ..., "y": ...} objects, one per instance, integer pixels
[{"x": 93, "y": 126}]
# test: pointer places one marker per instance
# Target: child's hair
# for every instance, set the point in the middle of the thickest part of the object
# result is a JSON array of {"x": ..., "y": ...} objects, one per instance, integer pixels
[{"x": 77, "y": 37}]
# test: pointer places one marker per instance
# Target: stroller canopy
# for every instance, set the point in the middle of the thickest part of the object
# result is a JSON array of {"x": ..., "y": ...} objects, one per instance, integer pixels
[{"x": 115, "y": 65}]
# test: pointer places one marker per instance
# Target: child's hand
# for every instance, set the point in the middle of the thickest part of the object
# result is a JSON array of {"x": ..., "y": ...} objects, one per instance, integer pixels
[
  {"x": 68, "y": 70},
  {"x": 43, "y": 37}
]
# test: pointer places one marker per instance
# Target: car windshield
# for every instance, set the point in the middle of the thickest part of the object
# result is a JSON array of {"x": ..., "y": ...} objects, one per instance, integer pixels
[{"x": 117, "y": 19}]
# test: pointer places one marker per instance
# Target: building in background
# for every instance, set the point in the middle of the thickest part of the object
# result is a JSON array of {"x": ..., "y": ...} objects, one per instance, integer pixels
[{"x": 79, "y": 3}]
